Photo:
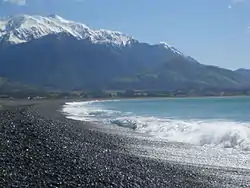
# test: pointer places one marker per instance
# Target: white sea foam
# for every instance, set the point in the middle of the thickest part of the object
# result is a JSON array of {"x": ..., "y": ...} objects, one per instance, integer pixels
[
  {"x": 215, "y": 133},
  {"x": 84, "y": 111},
  {"x": 219, "y": 133}
]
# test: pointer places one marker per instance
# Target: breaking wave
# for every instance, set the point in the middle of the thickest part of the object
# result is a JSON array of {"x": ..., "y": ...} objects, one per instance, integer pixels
[{"x": 215, "y": 133}]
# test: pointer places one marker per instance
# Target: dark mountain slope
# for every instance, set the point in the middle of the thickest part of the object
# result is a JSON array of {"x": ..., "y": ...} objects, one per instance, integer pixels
[
  {"x": 64, "y": 62},
  {"x": 185, "y": 73},
  {"x": 61, "y": 61},
  {"x": 244, "y": 72}
]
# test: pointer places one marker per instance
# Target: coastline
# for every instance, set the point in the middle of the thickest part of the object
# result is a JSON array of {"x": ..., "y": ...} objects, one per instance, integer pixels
[
  {"x": 41, "y": 147},
  {"x": 145, "y": 98}
]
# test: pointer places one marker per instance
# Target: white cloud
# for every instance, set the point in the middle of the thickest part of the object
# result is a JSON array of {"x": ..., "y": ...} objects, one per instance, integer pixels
[{"x": 18, "y": 2}]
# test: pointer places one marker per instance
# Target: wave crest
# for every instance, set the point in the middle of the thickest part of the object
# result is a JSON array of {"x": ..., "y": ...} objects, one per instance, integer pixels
[
  {"x": 215, "y": 133},
  {"x": 219, "y": 133}
]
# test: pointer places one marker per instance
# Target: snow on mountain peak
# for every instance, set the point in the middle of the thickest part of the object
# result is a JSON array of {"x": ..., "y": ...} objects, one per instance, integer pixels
[
  {"x": 173, "y": 49},
  {"x": 55, "y": 16},
  {"x": 23, "y": 28}
]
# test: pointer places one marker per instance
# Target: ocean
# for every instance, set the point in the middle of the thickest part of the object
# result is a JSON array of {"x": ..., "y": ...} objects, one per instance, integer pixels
[{"x": 210, "y": 131}]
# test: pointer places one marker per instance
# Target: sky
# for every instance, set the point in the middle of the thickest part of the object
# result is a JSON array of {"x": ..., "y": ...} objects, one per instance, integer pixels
[{"x": 215, "y": 32}]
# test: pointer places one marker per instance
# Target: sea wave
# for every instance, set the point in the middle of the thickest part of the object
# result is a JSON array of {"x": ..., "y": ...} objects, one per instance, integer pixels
[
  {"x": 213, "y": 133},
  {"x": 216, "y": 133},
  {"x": 85, "y": 111}
]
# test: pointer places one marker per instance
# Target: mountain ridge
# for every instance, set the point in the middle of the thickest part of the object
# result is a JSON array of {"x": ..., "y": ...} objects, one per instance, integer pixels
[
  {"x": 23, "y": 28},
  {"x": 100, "y": 59},
  {"x": 14, "y": 28}
]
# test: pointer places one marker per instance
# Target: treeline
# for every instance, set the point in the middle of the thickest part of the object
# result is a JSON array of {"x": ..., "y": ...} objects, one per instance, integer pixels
[{"x": 42, "y": 94}]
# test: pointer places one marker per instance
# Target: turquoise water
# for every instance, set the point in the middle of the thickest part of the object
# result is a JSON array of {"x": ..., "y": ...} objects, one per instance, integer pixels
[
  {"x": 216, "y": 122},
  {"x": 235, "y": 108}
]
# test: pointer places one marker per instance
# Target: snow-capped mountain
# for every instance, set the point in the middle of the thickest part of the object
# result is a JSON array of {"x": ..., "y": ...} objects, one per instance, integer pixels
[
  {"x": 23, "y": 28},
  {"x": 69, "y": 55}
]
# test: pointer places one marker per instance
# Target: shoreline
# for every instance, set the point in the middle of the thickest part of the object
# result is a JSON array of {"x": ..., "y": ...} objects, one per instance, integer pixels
[
  {"x": 145, "y": 98},
  {"x": 41, "y": 147},
  {"x": 216, "y": 147}
]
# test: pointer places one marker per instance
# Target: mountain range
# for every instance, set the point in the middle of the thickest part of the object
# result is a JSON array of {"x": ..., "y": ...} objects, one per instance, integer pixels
[{"x": 50, "y": 51}]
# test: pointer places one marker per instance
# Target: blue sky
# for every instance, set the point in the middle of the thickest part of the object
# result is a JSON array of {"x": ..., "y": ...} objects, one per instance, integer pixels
[{"x": 212, "y": 31}]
